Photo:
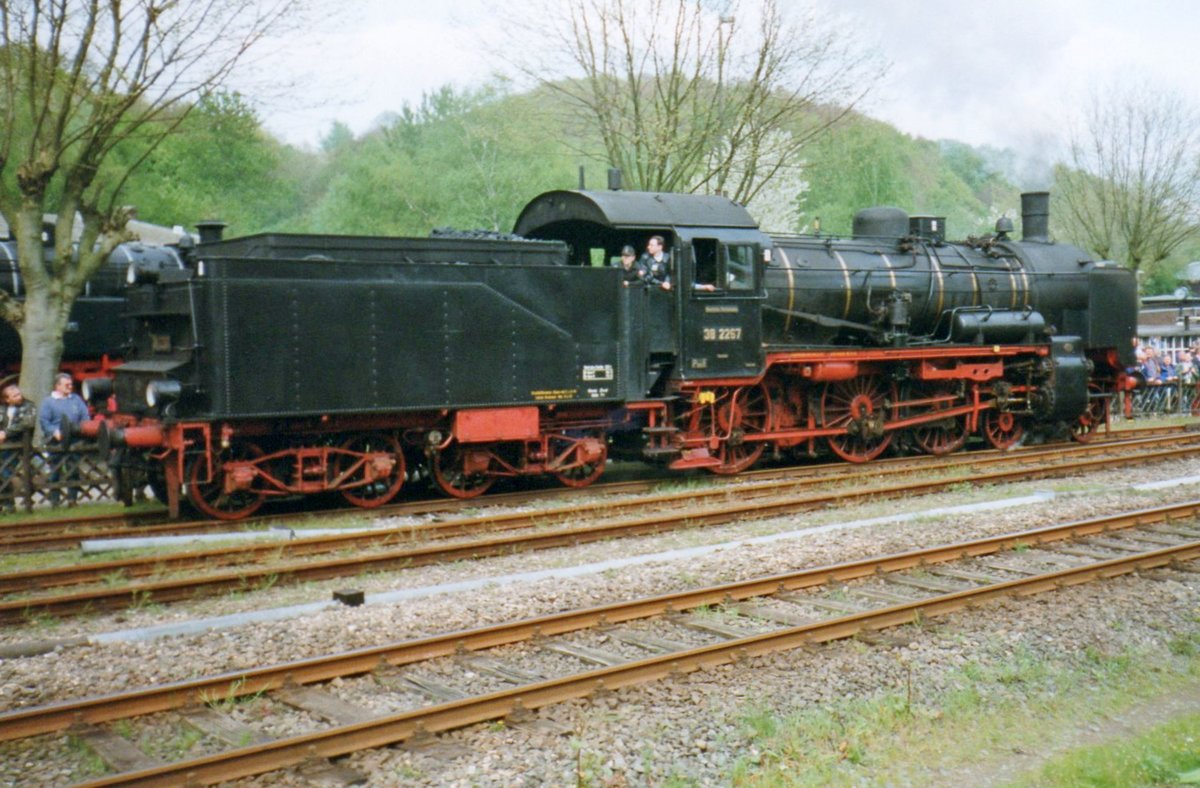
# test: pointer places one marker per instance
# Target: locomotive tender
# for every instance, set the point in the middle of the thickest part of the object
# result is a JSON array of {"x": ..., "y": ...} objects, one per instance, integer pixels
[{"x": 280, "y": 365}]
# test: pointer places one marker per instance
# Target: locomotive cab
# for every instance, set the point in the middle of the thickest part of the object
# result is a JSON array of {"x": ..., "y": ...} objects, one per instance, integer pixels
[
  {"x": 721, "y": 296},
  {"x": 708, "y": 324}
]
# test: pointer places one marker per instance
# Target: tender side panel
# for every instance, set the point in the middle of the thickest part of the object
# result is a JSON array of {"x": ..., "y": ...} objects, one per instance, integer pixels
[{"x": 428, "y": 337}]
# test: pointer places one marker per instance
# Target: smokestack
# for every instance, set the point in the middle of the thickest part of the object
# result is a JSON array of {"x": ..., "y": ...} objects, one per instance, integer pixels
[
  {"x": 1035, "y": 216},
  {"x": 211, "y": 230}
]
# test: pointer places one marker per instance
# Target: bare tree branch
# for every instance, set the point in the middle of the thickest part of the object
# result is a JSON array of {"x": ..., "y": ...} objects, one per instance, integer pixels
[
  {"x": 691, "y": 95},
  {"x": 1131, "y": 179}
]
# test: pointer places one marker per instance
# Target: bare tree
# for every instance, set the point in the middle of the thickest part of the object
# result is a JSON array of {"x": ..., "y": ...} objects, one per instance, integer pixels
[
  {"x": 1131, "y": 180},
  {"x": 691, "y": 95},
  {"x": 88, "y": 89}
]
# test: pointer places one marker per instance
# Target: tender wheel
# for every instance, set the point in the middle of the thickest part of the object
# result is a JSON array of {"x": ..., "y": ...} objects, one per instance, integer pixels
[
  {"x": 860, "y": 407},
  {"x": 1002, "y": 429},
  {"x": 209, "y": 497},
  {"x": 938, "y": 437},
  {"x": 360, "y": 484},
  {"x": 746, "y": 411},
  {"x": 452, "y": 476},
  {"x": 584, "y": 474},
  {"x": 1093, "y": 417}
]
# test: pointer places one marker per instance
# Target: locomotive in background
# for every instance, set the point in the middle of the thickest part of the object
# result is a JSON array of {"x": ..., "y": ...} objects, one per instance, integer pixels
[
  {"x": 96, "y": 332},
  {"x": 279, "y": 365}
]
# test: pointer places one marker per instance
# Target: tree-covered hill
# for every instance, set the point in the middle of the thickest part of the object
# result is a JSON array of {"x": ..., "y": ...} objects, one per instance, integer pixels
[{"x": 473, "y": 158}]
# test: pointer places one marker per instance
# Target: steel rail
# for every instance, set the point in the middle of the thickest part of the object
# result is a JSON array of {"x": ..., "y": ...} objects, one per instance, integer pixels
[
  {"x": 254, "y": 578},
  {"x": 66, "y": 533},
  {"x": 390, "y": 729},
  {"x": 23, "y": 723},
  {"x": 87, "y": 523},
  {"x": 145, "y": 566}
]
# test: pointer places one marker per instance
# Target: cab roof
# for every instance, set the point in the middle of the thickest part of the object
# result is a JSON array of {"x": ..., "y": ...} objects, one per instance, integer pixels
[{"x": 622, "y": 209}]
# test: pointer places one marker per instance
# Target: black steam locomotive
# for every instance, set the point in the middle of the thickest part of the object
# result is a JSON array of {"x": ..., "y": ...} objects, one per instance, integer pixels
[
  {"x": 96, "y": 331},
  {"x": 278, "y": 365}
]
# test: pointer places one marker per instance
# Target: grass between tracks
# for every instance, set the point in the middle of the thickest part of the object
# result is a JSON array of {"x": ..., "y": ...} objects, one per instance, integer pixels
[
  {"x": 1149, "y": 422},
  {"x": 85, "y": 509},
  {"x": 996, "y": 723}
]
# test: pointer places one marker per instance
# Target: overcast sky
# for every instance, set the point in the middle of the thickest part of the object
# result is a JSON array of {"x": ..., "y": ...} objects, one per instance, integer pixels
[{"x": 1003, "y": 74}]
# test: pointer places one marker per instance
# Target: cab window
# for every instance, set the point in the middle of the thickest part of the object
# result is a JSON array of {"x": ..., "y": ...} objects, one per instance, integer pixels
[
  {"x": 704, "y": 250},
  {"x": 721, "y": 267},
  {"x": 739, "y": 267}
]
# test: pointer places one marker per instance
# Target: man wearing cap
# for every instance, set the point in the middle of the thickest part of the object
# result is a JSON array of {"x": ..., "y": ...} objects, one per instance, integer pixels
[{"x": 632, "y": 271}]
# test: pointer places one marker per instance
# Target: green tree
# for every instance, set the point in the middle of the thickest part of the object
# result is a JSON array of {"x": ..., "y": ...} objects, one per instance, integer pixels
[
  {"x": 858, "y": 165},
  {"x": 978, "y": 172},
  {"x": 88, "y": 91},
  {"x": 469, "y": 159},
  {"x": 864, "y": 162},
  {"x": 220, "y": 164},
  {"x": 339, "y": 138}
]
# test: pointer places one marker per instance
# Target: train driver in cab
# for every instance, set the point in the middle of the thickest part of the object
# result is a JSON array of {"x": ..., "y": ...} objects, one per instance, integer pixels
[
  {"x": 632, "y": 272},
  {"x": 657, "y": 263}
]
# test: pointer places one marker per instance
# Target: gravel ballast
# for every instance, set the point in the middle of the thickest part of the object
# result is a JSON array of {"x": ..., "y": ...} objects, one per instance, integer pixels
[{"x": 688, "y": 727}]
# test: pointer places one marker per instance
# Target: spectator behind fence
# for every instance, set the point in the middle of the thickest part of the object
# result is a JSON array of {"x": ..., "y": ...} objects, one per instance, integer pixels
[
  {"x": 61, "y": 413},
  {"x": 17, "y": 420},
  {"x": 1168, "y": 374},
  {"x": 1187, "y": 382},
  {"x": 1152, "y": 368},
  {"x": 1187, "y": 367}
]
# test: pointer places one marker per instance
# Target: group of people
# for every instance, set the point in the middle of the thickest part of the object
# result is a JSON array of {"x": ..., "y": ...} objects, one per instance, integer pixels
[
  {"x": 60, "y": 412},
  {"x": 1159, "y": 368},
  {"x": 653, "y": 268}
]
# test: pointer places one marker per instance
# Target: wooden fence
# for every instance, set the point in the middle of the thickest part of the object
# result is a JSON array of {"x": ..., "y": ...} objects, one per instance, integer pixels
[{"x": 32, "y": 476}]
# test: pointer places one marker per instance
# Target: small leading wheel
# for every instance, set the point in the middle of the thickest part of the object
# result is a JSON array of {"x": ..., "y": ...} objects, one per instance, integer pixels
[
  {"x": 859, "y": 406},
  {"x": 1002, "y": 429},
  {"x": 210, "y": 498},
  {"x": 452, "y": 476},
  {"x": 943, "y": 436},
  {"x": 587, "y": 472},
  {"x": 747, "y": 410},
  {"x": 1095, "y": 415},
  {"x": 360, "y": 483}
]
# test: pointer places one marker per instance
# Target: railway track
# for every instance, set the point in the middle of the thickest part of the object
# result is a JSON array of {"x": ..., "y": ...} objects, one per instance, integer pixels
[
  {"x": 66, "y": 533},
  {"x": 496, "y": 671},
  {"x": 115, "y": 585}
]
